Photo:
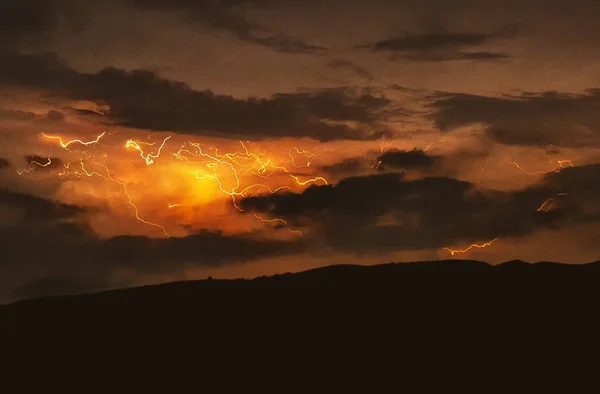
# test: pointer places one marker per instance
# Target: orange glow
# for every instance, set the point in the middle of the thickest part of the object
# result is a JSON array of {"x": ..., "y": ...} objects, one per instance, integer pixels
[
  {"x": 180, "y": 188},
  {"x": 108, "y": 177},
  {"x": 467, "y": 249}
]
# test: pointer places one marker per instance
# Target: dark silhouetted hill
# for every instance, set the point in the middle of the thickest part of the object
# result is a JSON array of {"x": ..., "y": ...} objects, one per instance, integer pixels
[
  {"x": 430, "y": 316},
  {"x": 412, "y": 285}
]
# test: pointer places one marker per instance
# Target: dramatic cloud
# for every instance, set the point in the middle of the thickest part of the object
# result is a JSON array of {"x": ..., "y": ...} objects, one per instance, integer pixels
[
  {"x": 34, "y": 210},
  {"x": 441, "y": 46},
  {"x": 55, "y": 116},
  {"x": 567, "y": 120},
  {"x": 411, "y": 159},
  {"x": 348, "y": 167},
  {"x": 228, "y": 16},
  {"x": 30, "y": 22},
  {"x": 10, "y": 115},
  {"x": 46, "y": 246},
  {"x": 345, "y": 64},
  {"x": 142, "y": 99},
  {"x": 386, "y": 212}
]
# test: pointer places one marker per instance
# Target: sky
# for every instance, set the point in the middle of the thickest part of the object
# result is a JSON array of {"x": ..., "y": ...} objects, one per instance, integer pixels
[{"x": 147, "y": 141}]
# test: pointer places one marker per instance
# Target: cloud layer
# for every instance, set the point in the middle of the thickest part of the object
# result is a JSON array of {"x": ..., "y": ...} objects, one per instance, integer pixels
[{"x": 534, "y": 119}]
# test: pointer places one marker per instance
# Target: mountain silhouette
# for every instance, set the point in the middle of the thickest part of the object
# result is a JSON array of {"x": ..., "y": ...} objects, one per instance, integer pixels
[
  {"x": 441, "y": 280},
  {"x": 427, "y": 316}
]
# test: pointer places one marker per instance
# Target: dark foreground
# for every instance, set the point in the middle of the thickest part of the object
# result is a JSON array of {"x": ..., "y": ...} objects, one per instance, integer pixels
[{"x": 429, "y": 314}]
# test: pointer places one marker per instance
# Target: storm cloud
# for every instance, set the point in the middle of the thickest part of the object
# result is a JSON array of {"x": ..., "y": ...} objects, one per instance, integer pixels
[
  {"x": 442, "y": 46},
  {"x": 142, "y": 99},
  {"x": 532, "y": 119},
  {"x": 48, "y": 247},
  {"x": 385, "y": 212}
]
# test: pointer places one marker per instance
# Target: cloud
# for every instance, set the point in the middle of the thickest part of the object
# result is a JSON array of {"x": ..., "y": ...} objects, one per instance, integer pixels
[
  {"x": 348, "y": 167},
  {"x": 385, "y": 212},
  {"x": 33, "y": 23},
  {"x": 36, "y": 207},
  {"x": 228, "y": 16},
  {"x": 47, "y": 248},
  {"x": 345, "y": 64},
  {"x": 18, "y": 115},
  {"x": 55, "y": 116},
  {"x": 532, "y": 119},
  {"x": 141, "y": 99},
  {"x": 441, "y": 46},
  {"x": 406, "y": 159}
]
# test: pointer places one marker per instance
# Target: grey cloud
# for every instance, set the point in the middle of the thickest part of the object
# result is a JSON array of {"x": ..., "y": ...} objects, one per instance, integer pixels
[
  {"x": 18, "y": 115},
  {"x": 32, "y": 23},
  {"x": 386, "y": 213},
  {"x": 540, "y": 119},
  {"x": 348, "y": 167},
  {"x": 441, "y": 46},
  {"x": 142, "y": 99},
  {"x": 50, "y": 249},
  {"x": 37, "y": 209},
  {"x": 228, "y": 16},
  {"x": 403, "y": 159},
  {"x": 345, "y": 64},
  {"x": 55, "y": 116}
]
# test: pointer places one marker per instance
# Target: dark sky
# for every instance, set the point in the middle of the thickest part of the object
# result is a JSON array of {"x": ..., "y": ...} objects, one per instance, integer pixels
[{"x": 145, "y": 141}]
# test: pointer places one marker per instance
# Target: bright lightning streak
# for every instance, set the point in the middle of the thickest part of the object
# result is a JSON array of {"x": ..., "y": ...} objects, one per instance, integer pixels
[
  {"x": 561, "y": 164},
  {"x": 461, "y": 251},
  {"x": 434, "y": 143},
  {"x": 248, "y": 161},
  {"x": 385, "y": 145},
  {"x": 42, "y": 165},
  {"x": 66, "y": 145},
  {"x": 149, "y": 158},
  {"x": 549, "y": 203},
  {"x": 277, "y": 220},
  {"x": 230, "y": 171},
  {"x": 108, "y": 177}
]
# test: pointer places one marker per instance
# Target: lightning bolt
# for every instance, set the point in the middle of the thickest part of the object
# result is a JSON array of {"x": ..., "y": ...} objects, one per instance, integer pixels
[
  {"x": 66, "y": 145},
  {"x": 561, "y": 164},
  {"x": 549, "y": 203},
  {"x": 148, "y": 158},
  {"x": 249, "y": 162},
  {"x": 109, "y": 177},
  {"x": 467, "y": 249}
]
